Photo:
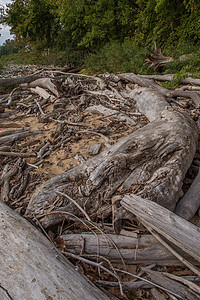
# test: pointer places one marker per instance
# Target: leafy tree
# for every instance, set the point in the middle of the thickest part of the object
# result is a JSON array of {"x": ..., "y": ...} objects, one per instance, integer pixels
[
  {"x": 8, "y": 47},
  {"x": 92, "y": 23},
  {"x": 34, "y": 21}
]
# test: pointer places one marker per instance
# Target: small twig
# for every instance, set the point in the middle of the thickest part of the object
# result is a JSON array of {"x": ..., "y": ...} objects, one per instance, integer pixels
[
  {"x": 99, "y": 266},
  {"x": 69, "y": 123},
  {"x": 39, "y": 106},
  {"x": 11, "y": 94},
  {"x": 75, "y": 203},
  {"x": 33, "y": 166},
  {"x": 96, "y": 133},
  {"x": 150, "y": 282}
]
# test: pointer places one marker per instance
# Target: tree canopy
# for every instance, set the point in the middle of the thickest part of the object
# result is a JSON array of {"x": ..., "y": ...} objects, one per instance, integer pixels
[{"x": 90, "y": 25}]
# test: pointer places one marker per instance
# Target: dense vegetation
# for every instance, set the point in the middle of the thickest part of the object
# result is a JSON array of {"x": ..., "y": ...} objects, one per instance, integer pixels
[{"x": 104, "y": 35}]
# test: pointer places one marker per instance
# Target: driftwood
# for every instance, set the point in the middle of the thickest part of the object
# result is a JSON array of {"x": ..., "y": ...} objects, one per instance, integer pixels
[
  {"x": 155, "y": 157},
  {"x": 45, "y": 83},
  {"x": 151, "y": 161},
  {"x": 175, "y": 229},
  {"x": 32, "y": 268},
  {"x": 189, "y": 204},
  {"x": 156, "y": 59},
  {"x": 172, "y": 285},
  {"x": 17, "y": 80},
  {"x": 4, "y": 140},
  {"x": 110, "y": 112},
  {"x": 142, "y": 249}
]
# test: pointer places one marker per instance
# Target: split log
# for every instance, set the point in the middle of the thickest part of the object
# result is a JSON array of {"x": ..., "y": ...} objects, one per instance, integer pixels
[
  {"x": 154, "y": 158},
  {"x": 32, "y": 268},
  {"x": 142, "y": 249},
  {"x": 174, "y": 228}
]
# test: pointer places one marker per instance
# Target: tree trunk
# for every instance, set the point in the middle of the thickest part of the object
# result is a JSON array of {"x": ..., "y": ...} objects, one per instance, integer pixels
[{"x": 32, "y": 268}]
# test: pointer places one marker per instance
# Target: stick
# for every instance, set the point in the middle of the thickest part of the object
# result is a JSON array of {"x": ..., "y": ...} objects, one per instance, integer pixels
[{"x": 75, "y": 203}]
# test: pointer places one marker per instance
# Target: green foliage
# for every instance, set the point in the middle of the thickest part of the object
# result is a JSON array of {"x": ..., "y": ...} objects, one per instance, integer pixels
[
  {"x": 91, "y": 24},
  {"x": 176, "y": 80},
  {"x": 34, "y": 21},
  {"x": 112, "y": 34},
  {"x": 117, "y": 57},
  {"x": 189, "y": 63},
  {"x": 8, "y": 47}
]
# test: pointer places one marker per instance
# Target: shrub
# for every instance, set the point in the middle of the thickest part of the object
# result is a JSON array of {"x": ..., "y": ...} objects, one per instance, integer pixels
[{"x": 118, "y": 57}]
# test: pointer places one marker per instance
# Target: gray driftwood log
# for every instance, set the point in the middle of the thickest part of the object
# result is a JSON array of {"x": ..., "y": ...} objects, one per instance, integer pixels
[
  {"x": 142, "y": 249},
  {"x": 154, "y": 158},
  {"x": 32, "y": 268},
  {"x": 189, "y": 204},
  {"x": 174, "y": 228}
]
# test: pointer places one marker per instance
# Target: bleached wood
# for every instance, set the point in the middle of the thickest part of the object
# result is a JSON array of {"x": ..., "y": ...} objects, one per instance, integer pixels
[
  {"x": 33, "y": 269},
  {"x": 141, "y": 249},
  {"x": 189, "y": 204},
  {"x": 177, "y": 230},
  {"x": 155, "y": 157}
]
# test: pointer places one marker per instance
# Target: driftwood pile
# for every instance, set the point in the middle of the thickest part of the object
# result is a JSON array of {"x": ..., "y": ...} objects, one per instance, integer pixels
[{"x": 107, "y": 167}]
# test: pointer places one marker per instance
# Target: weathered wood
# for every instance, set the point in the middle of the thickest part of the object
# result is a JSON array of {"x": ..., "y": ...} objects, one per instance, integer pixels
[
  {"x": 107, "y": 112},
  {"x": 156, "y": 59},
  {"x": 194, "y": 96},
  {"x": 169, "y": 77},
  {"x": 143, "y": 82},
  {"x": 17, "y": 136},
  {"x": 17, "y": 80},
  {"x": 155, "y": 157},
  {"x": 141, "y": 249},
  {"x": 45, "y": 83},
  {"x": 177, "y": 230},
  {"x": 174, "y": 286},
  {"x": 189, "y": 204},
  {"x": 32, "y": 268}
]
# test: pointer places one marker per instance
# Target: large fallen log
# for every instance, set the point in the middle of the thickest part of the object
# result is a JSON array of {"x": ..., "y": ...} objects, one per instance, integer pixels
[
  {"x": 174, "y": 228},
  {"x": 154, "y": 158},
  {"x": 32, "y": 268},
  {"x": 139, "y": 249}
]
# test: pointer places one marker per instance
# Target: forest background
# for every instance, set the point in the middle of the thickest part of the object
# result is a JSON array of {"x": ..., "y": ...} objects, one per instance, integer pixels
[{"x": 103, "y": 35}]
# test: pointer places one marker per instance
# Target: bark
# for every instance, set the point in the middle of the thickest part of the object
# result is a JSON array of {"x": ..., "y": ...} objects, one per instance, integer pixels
[
  {"x": 142, "y": 249},
  {"x": 155, "y": 158},
  {"x": 32, "y": 268}
]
